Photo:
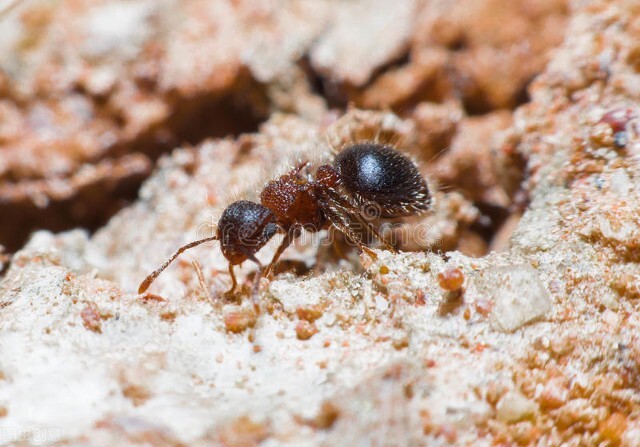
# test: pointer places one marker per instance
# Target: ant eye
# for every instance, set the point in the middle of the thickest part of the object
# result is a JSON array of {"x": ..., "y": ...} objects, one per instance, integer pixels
[
  {"x": 379, "y": 174},
  {"x": 270, "y": 230}
]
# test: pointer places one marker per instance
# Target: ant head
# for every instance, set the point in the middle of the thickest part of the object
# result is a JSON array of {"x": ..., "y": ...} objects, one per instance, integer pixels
[{"x": 243, "y": 229}]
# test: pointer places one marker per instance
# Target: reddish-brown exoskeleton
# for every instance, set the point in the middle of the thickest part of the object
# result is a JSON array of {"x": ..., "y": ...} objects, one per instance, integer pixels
[{"x": 361, "y": 176}]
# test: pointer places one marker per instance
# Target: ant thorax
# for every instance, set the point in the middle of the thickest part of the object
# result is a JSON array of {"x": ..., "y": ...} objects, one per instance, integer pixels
[{"x": 293, "y": 201}]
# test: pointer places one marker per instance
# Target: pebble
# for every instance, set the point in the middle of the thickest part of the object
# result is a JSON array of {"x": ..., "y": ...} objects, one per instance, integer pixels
[{"x": 518, "y": 295}]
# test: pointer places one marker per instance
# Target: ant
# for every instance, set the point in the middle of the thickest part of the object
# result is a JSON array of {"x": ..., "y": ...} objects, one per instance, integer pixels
[{"x": 362, "y": 176}]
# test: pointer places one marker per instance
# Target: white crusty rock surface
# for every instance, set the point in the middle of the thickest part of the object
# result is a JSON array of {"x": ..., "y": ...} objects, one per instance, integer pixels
[{"x": 541, "y": 347}]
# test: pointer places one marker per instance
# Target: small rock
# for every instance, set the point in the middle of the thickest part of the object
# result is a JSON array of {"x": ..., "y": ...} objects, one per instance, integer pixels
[
  {"x": 310, "y": 313},
  {"x": 305, "y": 330},
  {"x": 240, "y": 320},
  {"x": 243, "y": 431},
  {"x": 91, "y": 318},
  {"x": 554, "y": 395},
  {"x": 514, "y": 407},
  {"x": 451, "y": 279},
  {"x": 326, "y": 416},
  {"x": 518, "y": 296},
  {"x": 621, "y": 183}
]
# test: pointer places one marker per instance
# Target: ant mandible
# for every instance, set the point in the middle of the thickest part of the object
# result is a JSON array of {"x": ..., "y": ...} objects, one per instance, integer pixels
[{"x": 362, "y": 175}]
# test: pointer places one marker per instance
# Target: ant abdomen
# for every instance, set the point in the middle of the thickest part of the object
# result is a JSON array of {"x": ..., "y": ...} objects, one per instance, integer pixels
[{"x": 376, "y": 174}]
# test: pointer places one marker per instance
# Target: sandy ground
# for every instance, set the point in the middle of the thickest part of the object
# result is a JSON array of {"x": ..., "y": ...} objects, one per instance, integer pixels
[{"x": 536, "y": 211}]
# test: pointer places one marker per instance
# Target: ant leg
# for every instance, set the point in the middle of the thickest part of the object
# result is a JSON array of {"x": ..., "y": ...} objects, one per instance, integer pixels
[
  {"x": 342, "y": 223},
  {"x": 301, "y": 166},
  {"x": 375, "y": 232},
  {"x": 256, "y": 283},
  {"x": 337, "y": 249},
  {"x": 347, "y": 206},
  {"x": 343, "y": 212},
  {"x": 289, "y": 237},
  {"x": 234, "y": 282}
]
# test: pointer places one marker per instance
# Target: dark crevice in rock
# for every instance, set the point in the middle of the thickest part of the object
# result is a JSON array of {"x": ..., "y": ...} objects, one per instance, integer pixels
[{"x": 93, "y": 203}]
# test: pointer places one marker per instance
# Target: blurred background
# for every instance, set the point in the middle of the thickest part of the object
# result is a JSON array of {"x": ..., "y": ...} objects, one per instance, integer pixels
[{"x": 93, "y": 92}]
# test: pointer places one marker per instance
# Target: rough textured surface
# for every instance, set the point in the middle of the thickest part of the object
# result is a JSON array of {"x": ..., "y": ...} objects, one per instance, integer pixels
[
  {"x": 89, "y": 82},
  {"x": 85, "y": 82},
  {"x": 481, "y": 52},
  {"x": 356, "y": 351}
]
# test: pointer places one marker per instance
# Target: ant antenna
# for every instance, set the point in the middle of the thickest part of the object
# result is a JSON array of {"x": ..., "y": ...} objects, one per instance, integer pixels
[{"x": 149, "y": 279}]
